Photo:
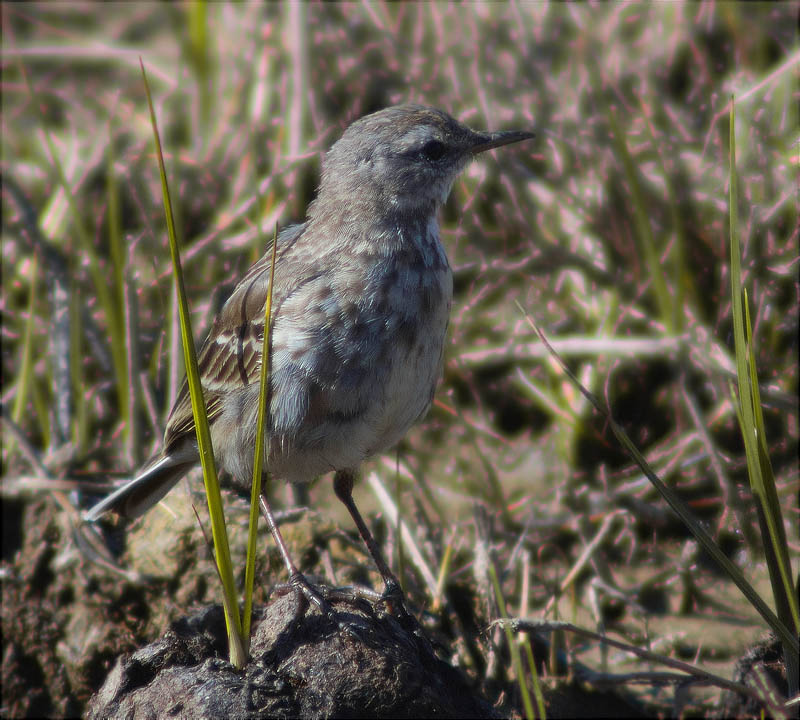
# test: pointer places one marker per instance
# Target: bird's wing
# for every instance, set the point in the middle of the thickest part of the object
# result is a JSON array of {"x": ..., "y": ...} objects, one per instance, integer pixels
[{"x": 230, "y": 357}]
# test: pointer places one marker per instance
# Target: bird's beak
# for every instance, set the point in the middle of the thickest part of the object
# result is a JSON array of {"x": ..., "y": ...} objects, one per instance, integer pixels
[{"x": 488, "y": 141}]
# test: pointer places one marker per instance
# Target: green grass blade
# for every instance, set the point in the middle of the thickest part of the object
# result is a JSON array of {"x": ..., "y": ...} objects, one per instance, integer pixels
[
  {"x": 683, "y": 290},
  {"x": 264, "y": 396},
  {"x": 751, "y": 423},
  {"x": 23, "y": 379},
  {"x": 764, "y": 489},
  {"x": 117, "y": 253},
  {"x": 644, "y": 231},
  {"x": 441, "y": 577},
  {"x": 537, "y": 688},
  {"x": 513, "y": 647},
  {"x": 219, "y": 533},
  {"x": 199, "y": 58}
]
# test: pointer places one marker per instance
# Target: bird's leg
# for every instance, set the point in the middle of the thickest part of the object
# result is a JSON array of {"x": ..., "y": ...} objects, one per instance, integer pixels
[
  {"x": 343, "y": 487},
  {"x": 296, "y": 579}
]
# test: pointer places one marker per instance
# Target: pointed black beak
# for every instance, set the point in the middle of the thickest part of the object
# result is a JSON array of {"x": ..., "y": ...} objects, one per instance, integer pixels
[{"x": 488, "y": 141}]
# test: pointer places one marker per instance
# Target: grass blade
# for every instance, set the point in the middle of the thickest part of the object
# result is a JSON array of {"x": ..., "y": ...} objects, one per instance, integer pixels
[
  {"x": 644, "y": 231},
  {"x": 513, "y": 648},
  {"x": 219, "y": 533},
  {"x": 751, "y": 423},
  {"x": 264, "y": 397},
  {"x": 118, "y": 261}
]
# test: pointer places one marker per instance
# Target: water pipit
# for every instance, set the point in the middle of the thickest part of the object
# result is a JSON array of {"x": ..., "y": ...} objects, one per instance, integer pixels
[{"x": 360, "y": 310}]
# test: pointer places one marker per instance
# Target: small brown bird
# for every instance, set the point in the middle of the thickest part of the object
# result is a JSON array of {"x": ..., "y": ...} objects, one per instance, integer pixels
[{"x": 360, "y": 309}]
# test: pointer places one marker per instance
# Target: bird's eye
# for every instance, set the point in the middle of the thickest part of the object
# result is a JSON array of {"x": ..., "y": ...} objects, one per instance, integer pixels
[{"x": 433, "y": 150}]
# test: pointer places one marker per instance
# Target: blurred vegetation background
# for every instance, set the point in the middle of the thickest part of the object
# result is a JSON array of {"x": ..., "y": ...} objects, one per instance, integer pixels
[{"x": 610, "y": 229}]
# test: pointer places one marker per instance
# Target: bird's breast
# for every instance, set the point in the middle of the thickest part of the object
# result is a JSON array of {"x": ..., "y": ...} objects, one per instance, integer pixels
[
  {"x": 415, "y": 312},
  {"x": 357, "y": 354}
]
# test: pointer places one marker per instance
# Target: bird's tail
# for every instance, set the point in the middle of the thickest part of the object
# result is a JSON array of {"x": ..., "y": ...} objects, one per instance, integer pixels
[{"x": 138, "y": 495}]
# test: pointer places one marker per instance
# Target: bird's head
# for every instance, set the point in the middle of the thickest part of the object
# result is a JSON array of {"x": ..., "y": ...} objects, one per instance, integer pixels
[{"x": 404, "y": 157}]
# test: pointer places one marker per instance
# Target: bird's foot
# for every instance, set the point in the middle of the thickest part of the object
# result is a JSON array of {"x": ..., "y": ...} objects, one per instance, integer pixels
[
  {"x": 323, "y": 598},
  {"x": 390, "y": 602},
  {"x": 307, "y": 594},
  {"x": 393, "y": 599}
]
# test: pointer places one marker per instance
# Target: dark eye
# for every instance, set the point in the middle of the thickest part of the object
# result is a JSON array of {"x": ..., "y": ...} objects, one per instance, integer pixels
[{"x": 433, "y": 150}]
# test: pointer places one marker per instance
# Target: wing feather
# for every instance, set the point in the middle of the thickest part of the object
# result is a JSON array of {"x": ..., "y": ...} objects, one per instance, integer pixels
[{"x": 230, "y": 357}]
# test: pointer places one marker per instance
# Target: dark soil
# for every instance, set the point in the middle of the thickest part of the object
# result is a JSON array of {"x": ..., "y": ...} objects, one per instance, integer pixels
[
  {"x": 360, "y": 665},
  {"x": 79, "y": 639}
]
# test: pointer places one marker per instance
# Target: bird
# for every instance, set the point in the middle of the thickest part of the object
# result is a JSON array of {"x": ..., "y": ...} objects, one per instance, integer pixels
[{"x": 361, "y": 302}]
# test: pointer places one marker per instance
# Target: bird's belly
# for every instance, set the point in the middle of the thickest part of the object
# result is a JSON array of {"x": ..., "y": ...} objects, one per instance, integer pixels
[
  {"x": 413, "y": 361},
  {"x": 401, "y": 396},
  {"x": 385, "y": 359},
  {"x": 409, "y": 388}
]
